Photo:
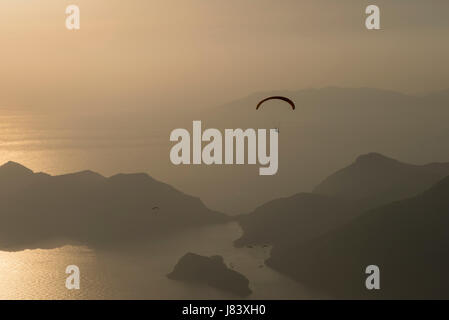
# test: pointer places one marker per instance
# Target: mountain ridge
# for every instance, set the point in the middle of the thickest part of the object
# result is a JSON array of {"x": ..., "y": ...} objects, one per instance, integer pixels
[
  {"x": 407, "y": 239},
  {"x": 374, "y": 179},
  {"x": 86, "y": 207}
]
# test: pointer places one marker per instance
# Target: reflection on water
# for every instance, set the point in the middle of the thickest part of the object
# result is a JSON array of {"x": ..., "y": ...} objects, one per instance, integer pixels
[
  {"x": 63, "y": 143},
  {"x": 140, "y": 273},
  {"x": 40, "y": 274}
]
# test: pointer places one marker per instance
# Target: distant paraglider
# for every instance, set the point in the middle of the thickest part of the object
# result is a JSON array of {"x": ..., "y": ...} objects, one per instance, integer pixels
[{"x": 290, "y": 102}]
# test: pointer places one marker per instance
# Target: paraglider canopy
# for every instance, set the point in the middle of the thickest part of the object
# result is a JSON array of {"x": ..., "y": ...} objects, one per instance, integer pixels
[{"x": 292, "y": 104}]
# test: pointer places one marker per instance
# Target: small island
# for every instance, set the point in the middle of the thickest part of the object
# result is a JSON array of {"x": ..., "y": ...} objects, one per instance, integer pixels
[{"x": 211, "y": 271}]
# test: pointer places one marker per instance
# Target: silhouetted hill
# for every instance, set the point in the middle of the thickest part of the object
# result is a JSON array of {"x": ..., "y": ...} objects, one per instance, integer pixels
[
  {"x": 374, "y": 179},
  {"x": 12, "y": 176},
  {"x": 88, "y": 208},
  {"x": 408, "y": 240},
  {"x": 211, "y": 271},
  {"x": 298, "y": 218},
  {"x": 15, "y": 170},
  {"x": 371, "y": 180}
]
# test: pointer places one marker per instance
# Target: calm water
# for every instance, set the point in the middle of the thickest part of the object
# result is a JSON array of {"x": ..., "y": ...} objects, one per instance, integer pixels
[
  {"x": 62, "y": 144},
  {"x": 140, "y": 274}
]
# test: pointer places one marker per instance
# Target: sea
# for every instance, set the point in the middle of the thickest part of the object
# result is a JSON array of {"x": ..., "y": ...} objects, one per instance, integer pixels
[{"x": 140, "y": 273}]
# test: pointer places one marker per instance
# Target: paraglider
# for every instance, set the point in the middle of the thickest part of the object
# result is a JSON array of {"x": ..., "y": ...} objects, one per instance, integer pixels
[{"x": 290, "y": 102}]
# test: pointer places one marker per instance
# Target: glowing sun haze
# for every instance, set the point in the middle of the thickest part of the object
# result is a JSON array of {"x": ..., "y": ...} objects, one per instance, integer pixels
[{"x": 153, "y": 53}]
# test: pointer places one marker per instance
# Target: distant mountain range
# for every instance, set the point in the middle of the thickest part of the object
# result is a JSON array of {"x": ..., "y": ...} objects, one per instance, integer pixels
[
  {"x": 90, "y": 209},
  {"x": 327, "y": 240},
  {"x": 329, "y": 128},
  {"x": 374, "y": 179}
]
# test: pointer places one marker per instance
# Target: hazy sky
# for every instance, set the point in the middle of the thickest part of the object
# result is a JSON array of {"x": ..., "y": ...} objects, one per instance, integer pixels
[
  {"x": 156, "y": 53},
  {"x": 107, "y": 96}
]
